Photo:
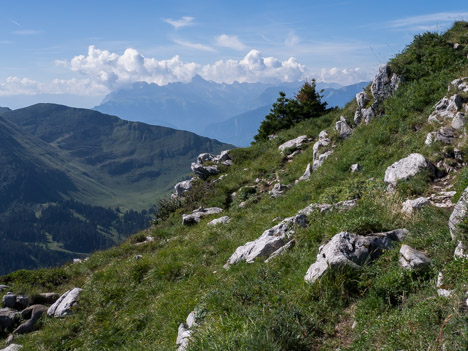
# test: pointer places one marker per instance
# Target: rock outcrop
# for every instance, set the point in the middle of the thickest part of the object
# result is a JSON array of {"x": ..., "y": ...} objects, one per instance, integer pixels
[
  {"x": 409, "y": 206},
  {"x": 343, "y": 128},
  {"x": 197, "y": 214},
  {"x": 183, "y": 187},
  {"x": 203, "y": 172},
  {"x": 306, "y": 175},
  {"x": 8, "y": 319},
  {"x": 458, "y": 214},
  {"x": 278, "y": 190},
  {"x": 294, "y": 144},
  {"x": 12, "y": 347},
  {"x": 321, "y": 151},
  {"x": 355, "y": 167},
  {"x": 63, "y": 306},
  {"x": 413, "y": 259},
  {"x": 384, "y": 84},
  {"x": 408, "y": 167},
  {"x": 351, "y": 250},
  {"x": 32, "y": 314},
  {"x": 186, "y": 330}
]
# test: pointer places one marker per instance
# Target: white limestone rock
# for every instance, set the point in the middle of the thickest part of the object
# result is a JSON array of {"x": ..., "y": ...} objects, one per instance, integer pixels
[
  {"x": 220, "y": 220},
  {"x": 413, "y": 259},
  {"x": 290, "y": 244},
  {"x": 12, "y": 347},
  {"x": 441, "y": 288},
  {"x": 183, "y": 187},
  {"x": 461, "y": 251},
  {"x": 406, "y": 168},
  {"x": 203, "y": 172},
  {"x": 339, "y": 206},
  {"x": 196, "y": 215},
  {"x": 62, "y": 307},
  {"x": 270, "y": 241},
  {"x": 409, "y": 206},
  {"x": 384, "y": 84},
  {"x": 358, "y": 117},
  {"x": 306, "y": 174},
  {"x": 278, "y": 190},
  {"x": 343, "y": 129},
  {"x": 368, "y": 114},
  {"x": 318, "y": 162},
  {"x": 294, "y": 143},
  {"x": 361, "y": 100},
  {"x": 351, "y": 250},
  {"x": 355, "y": 167}
]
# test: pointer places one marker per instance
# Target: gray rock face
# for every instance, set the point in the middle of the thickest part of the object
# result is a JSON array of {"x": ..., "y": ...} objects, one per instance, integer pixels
[
  {"x": 294, "y": 143},
  {"x": 182, "y": 187},
  {"x": 408, "y": 167},
  {"x": 220, "y": 220},
  {"x": 9, "y": 300},
  {"x": 459, "y": 121},
  {"x": 351, "y": 250},
  {"x": 321, "y": 159},
  {"x": 186, "y": 330},
  {"x": 343, "y": 129},
  {"x": 355, "y": 167},
  {"x": 197, "y": 214},
  {"x": 270, "y": 241},
  {"x": 8, "y": 319},
  {"x": 430, "y": 138},
  {"x": 278, "y": 190},
  {"x": 447, "y": 108},
  {"x": 458, "y": 214},
  {"x": 358, "y": 117},
  {"x": 409, "y": 206},
  {"x": 384, "y": 84},
  {"x": 62, "y": 307},
  {"x": 13, "y": 347},
  {"x": 202, "y": 158},
  {"x": 442, "y": 290},
  {"x": 22, "y": 302},
  {"x": 203, "y": 172},
  {"x": 32, "y": 314},
  {"x": 361, "y": 100},
  {"x": 413, "y": 259}
]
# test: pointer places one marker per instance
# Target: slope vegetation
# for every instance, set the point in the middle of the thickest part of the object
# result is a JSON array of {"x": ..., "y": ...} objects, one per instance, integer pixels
[{"x": 135, "y": 297}]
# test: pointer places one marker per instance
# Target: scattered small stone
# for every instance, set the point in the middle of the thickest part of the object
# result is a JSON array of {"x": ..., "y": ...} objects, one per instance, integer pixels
[
  {"x": 441, "y": 291},
  {"x": 355, "y": 167},
  {"x": 461, "y": 251},
  {"x": 148, "y": 239},
  {"x": 137, "y": 257},
  {"x": 413, "y": 259},
  {"x": 306, "y": 174}
]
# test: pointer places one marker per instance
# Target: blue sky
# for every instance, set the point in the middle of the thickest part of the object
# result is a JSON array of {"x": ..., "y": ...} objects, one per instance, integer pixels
[{"x": 76, "y": 52}]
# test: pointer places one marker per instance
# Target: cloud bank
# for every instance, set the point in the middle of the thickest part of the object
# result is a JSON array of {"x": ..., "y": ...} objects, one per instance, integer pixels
[{"x": 105, "y": 71}]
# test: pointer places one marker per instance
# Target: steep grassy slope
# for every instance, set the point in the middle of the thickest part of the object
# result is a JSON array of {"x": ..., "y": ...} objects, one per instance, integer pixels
[{"x": 138, "y": 304}]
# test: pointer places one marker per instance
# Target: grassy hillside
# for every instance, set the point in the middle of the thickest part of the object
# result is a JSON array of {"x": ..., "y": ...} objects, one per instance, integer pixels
[{"x": 138, "y": 304}]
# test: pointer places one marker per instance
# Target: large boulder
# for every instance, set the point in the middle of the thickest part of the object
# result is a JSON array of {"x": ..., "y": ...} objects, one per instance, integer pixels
[
  {"x": 458, "y": 215},
  {"x": 413, "y": 259},
  {"x": 62, "y": 307},
  {"x": 8, "y": 319},
  {"x": 270, "y": 241},
  {"x": 203, "y": 172},
  {"x": 368, "y": 114},
  {"x": 384, "y": 83},
  {"x": 408, "y": 167},
  {"x": 361, "y": 100},
  {"x": 349, "y": 249},
  {"x": 196, "y": 215},
  {"x": 185, "y": 330},
  {"x": 294, "y": 144}
]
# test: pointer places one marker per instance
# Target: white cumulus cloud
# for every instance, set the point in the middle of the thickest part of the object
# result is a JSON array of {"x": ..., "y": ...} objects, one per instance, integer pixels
[
  {"x": 344, "y": 76},
  {"x": 230, "y": 41}
]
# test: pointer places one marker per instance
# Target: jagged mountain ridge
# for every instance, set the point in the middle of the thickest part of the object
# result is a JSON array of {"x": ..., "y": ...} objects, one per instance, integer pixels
[
  {"x": 202, "y": 106},
  {"x": 171, "y": 279}
]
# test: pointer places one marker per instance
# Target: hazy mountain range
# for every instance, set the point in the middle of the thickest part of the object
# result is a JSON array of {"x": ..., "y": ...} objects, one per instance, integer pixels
[{"x": 228, "y": 112}]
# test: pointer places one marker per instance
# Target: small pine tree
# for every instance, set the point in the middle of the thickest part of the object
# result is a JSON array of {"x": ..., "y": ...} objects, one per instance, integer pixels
[{"x": 287, "y": 112}]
